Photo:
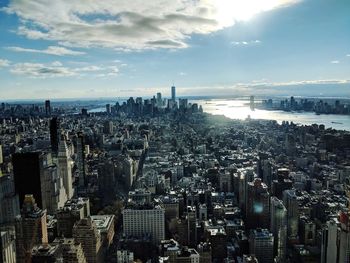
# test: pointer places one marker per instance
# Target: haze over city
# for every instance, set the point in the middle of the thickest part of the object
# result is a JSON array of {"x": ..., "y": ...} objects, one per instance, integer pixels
[{"x": 90, "y": 49}]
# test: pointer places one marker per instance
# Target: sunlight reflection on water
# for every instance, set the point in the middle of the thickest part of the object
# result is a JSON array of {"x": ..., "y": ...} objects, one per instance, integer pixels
[{"x": 239, "y": 109}]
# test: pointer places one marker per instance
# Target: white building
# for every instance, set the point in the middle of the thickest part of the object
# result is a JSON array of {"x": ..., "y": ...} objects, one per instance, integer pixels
[
  {"x": 336, "y": 240},
  {"x": 52, "y": 190},
  {"x": 291, "y": 203},
  {"x": 65, "y": 168},
  {"x": 145, "y": 220},
  {"x": 329, "y": 248},
  {"x": 278, "y": 226}
]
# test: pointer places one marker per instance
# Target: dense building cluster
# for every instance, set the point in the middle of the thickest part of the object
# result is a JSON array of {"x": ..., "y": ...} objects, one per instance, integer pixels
[
  {"x": 158, "y": 180},
  {"x": 325, "y": 106}
]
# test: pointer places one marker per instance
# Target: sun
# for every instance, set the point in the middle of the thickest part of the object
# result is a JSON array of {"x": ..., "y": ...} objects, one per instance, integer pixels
[{"x": 230, "y": 11}]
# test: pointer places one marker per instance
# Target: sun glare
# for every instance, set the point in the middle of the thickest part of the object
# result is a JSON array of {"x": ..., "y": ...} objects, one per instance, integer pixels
[{"x": 229, "y": 11}]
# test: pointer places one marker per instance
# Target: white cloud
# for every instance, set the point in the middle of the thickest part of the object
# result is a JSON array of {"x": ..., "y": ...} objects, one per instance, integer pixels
[
  {"x": 51, "y": 50},
  {"x": 38, "y": 70},
  {"x": 4, "y": 63},
  {"x": 245, "y": 43},
  {"x": 311, "y": 82},
  {"x": 113, "y": 70},
  {"x": 100, "y": 71},
  {"x": 57, "y": 69},
  {"x": 348, "y": 55},
  {"x": 88, "y": 69},
  {"x": 335, "y": 62},
  {"x": 264, "y": 88},
  {"x": 131, "y": 25},
  {"x": 56, "y": 64}
]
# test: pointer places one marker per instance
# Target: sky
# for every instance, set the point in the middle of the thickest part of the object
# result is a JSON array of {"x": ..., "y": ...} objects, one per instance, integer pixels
[{"x": 121, "y": 48}]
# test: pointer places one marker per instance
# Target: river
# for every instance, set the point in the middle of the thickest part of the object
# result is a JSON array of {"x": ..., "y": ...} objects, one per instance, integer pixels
[{"x": 239, "y": 109}]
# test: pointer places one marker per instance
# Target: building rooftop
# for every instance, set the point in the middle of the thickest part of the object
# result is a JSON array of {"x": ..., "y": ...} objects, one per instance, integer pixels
[
  {"x": 261, "y": 233},
  {"x": 45, "y": 250},
  {"x": 187, "y": 252},
  {"x": 103, "y": 222},
  {"x": 216, "y": 230}
]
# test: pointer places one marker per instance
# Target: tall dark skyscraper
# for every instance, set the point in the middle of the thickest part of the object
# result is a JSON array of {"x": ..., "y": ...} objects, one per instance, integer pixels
[
  {"x": 81, "y": 159},
  {"x": 26, "y": 170},
  {"x": 9, "y": 204},
  {"x": 31, "y": 229},
  {"x": 108, "y": 108},
  {"x": 48, "y": 107},
  {"x": 258, "y": 204},
  {"x": 173, "y": 93},
  {"x": 252, "y": 103},
  {"x": 54, "y": 134}
]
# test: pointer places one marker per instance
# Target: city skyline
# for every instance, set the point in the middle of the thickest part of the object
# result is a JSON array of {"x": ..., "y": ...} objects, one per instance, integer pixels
[
  {"x": 214, "y": 47},
  {"x": 201, "y": 131}
]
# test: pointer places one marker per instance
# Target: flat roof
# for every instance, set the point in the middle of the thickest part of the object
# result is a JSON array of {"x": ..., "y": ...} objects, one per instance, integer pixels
[{"x": 102, "y": 222}]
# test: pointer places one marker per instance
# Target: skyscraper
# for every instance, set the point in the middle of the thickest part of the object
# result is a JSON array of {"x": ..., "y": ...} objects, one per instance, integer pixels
[
  {"x": 108, "y": 108},
  {"x": 36, "y": 174},
  {"x": 282, "y": 182},
  {"x": 27, "y": 168},
  {"x": 54, "y": 134},
  {"x": 80, "y": 160},
  {"x": 52, "y": 189},
  {"x": 85, "y": 232},
  {"x": 106, "y": 181},
  {"x": 159, "y": 99},
  {"x": 258, "y": 205},
  {"x": 47, "y": 107},
  {"x": 1, "y": 155},
  {"x": 278, "y": 227},
  {"x": 31, "y": 229},
  {"x": 173, "y": 93},
  {"x": 65, "y": 167},
  {"x": 291, "y": 203},
  {"x": 344, "y": 237},
  {"x": 108, "y": 127},
  {"x": 252, "y": 103},
  {"x": 330, "y": 244},
  {"x": 139, "y": 221},
  {"x": 191, "y": 226},
  {"x": 292, "y": 103},
  {"x": 73, "y": 211},
  {"x": 72, "y": 251},
  {"x": 183, "y": 103},
  {"x": 261, "y": 245},
  {"x": 9, "y": 203}
]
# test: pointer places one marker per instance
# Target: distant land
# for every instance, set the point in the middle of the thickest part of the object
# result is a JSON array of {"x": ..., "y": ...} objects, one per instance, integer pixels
[{"x": 109, "y": 99}]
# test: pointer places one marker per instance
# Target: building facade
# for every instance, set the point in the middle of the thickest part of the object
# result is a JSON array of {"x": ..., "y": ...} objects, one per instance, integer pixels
[
  {"x": 261, "y": 245},
  {"x": 31, "y": 229},
  {"x": 85, "y": 232},
  {"x": 145, "y": 221}
]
